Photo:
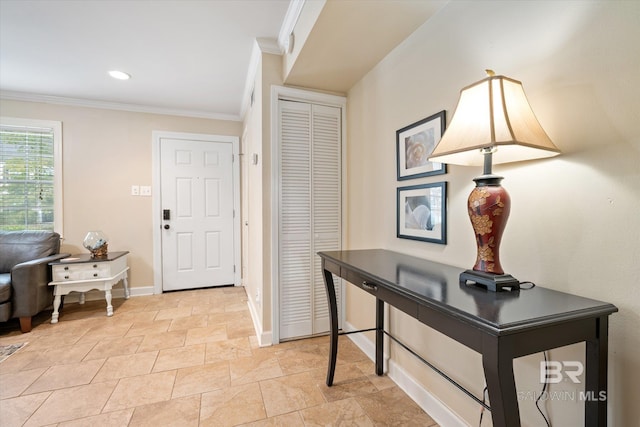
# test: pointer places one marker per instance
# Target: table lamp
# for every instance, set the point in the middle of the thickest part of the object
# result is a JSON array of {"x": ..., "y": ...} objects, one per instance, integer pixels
[{"x": 493, "y": 123}]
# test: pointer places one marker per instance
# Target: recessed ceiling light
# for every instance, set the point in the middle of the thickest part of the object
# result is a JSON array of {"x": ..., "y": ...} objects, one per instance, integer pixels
[{"x": 120, "y": 75}]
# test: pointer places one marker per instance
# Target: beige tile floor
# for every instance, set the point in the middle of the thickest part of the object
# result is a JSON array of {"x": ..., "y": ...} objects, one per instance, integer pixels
[{"x": 186, "y": 359}]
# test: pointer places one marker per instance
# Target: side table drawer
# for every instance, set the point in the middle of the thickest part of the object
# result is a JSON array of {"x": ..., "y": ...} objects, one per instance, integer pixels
[{"x": 85, "y": 271}]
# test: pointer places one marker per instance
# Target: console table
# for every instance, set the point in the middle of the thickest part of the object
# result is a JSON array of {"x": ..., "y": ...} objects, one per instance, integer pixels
[
  {"x": 500, "y": 325},
  {"x": 82, "y": 273}
]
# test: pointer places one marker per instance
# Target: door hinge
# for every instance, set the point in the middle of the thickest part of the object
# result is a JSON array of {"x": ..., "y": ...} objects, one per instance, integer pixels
[
  {"x": 234, "y": 268},
  {"x": 233, "y": 158}
]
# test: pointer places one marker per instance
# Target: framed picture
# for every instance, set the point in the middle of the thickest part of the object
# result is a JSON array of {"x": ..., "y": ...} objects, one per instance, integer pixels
[
  {"x": 414, "y": 145},
  {"x": 422, "y": 212}
]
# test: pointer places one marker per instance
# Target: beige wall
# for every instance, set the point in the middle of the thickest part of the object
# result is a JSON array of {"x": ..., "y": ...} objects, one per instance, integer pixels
[
  {"x": 271, "y": 75},
  {"x": 257, "y": 130},
  {"x": 303, "y": 27},
  {"x": 574, "y": 222},
  {"x": 104, "y": 153},
  {"x": 252, "y": 141}
]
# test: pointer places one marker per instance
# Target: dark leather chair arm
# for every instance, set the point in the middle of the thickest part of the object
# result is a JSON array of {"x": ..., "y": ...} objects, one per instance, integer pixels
[{"x": 30, "y": 285}]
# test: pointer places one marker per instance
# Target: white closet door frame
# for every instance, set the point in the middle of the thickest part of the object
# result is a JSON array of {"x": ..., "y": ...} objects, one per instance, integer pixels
[{"x": 291, "y": 94}]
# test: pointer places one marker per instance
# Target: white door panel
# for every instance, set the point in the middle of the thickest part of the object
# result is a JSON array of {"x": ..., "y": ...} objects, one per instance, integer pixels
[{"x": 197, "y": 189}]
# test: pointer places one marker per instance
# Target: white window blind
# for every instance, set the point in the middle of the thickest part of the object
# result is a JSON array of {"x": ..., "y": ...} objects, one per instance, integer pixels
[{"x": 29, "y": 169}]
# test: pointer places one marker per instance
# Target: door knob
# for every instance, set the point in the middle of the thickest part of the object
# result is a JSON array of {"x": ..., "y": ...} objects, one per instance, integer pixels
[{"x": 167, "y": 226}]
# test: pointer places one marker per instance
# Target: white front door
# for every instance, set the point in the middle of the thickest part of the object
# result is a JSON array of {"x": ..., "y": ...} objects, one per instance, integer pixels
[{"x": 197, "y": 202}]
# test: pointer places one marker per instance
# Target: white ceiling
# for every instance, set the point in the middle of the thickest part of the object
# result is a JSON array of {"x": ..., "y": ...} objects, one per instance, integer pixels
[{"x": 185, "y": 56}]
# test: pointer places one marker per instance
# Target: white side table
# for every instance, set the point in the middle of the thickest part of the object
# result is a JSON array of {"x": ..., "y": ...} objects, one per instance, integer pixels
[{"x": 81, "y": 273}]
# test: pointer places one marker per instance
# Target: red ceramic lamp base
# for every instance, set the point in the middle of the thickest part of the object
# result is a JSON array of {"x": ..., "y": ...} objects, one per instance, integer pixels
[{"x": 489, "y": 206}]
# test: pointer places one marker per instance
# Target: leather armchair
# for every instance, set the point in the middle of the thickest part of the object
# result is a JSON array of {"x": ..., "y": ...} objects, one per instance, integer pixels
[{"x": 25, "y": 273}]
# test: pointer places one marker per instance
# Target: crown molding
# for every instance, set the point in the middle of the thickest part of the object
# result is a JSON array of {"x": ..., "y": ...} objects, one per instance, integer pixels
[
  {"x": 261, "y": 45},
  {"x": 289, "y": 23},
  {"x": 89, "y": 103},
  {"x": 256, "y": 53},
  {"x": 267, "y": 45}
]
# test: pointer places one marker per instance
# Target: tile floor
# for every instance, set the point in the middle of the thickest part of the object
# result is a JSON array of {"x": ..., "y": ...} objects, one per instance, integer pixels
[{"x": 186, "y": 359}]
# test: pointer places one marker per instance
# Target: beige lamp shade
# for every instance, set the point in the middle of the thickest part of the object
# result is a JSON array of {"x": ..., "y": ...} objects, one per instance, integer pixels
[{"x": 493, "y": 113}]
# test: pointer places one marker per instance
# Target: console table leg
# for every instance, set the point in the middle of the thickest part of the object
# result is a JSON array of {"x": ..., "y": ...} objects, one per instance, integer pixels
[
  {"x": 333, "y": 319},
  {"x": 379, "y": 336},
  {"x": 595, "y": 405},
  {"x": 501, "y": 385}
]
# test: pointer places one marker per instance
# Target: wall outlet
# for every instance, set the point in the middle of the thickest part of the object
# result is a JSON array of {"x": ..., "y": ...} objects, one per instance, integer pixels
[
  {"x": 135, "y": 190},
  {"x": 145, "y": 190}
]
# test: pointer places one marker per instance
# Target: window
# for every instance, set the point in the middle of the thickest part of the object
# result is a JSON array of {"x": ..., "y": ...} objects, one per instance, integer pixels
[{"x": 30, "y": 175}]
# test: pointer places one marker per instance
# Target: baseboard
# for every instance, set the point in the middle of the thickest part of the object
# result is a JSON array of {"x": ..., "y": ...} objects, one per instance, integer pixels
[
  {"x": 265, "y": 338},
  {"x": 368, "y": 347},
  {"x": 427, "y": 401},
  {"x": 139, "y": 291},
  {"x": 96, "y": 295},
  {"x": 441, "y": 413}
]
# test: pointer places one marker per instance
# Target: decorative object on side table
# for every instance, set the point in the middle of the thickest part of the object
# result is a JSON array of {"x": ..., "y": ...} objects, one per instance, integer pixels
[
  {"x": 421, "y": 212},
  {"x": 493, "y": 123},
  {"x": 414, "y": 144},
  {"x": 96, "y": 242}
]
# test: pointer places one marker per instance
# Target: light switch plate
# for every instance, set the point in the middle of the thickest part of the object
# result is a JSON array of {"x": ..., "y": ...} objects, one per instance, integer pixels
[
  {"x": 135, "y": 190},
  {"x": 145, "y": 190}
]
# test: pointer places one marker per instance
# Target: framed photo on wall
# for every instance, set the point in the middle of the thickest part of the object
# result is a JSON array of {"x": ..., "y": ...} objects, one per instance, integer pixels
[
  {"x": 421, "y": 212},
  {"x": 414, "y": 145}
]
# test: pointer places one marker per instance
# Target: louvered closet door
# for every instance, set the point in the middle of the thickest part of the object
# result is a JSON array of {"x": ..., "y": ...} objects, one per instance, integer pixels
[
  {"x": 295, "y": 220},
  {"x": 326, "y": 204},
  {"x": 309, "y": 213}
]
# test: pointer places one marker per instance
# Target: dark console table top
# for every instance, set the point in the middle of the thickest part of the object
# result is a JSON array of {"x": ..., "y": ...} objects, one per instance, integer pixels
[{"x": 437, "y": 286}]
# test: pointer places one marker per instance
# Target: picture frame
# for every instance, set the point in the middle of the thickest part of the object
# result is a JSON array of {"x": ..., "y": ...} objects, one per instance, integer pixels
[
  {"x": 414, "y": 145},
  {"x": 421, "y": 212}
]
